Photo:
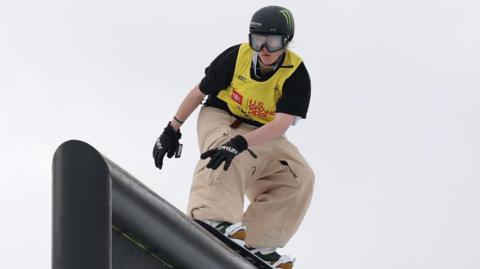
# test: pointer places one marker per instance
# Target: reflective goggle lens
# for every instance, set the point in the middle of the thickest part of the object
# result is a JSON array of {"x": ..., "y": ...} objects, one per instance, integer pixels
[{"x": 272, "y": 43}]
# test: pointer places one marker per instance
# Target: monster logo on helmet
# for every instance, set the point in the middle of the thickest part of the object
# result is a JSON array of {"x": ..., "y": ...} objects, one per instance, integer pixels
[{"x": 273, "y": 20}]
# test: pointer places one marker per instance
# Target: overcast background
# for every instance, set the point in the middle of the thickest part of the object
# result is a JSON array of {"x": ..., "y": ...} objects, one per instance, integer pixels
[{"x": 392, "y": 132}]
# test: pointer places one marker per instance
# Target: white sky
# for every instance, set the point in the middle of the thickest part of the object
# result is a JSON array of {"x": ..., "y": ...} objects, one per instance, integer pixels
[{"x": 392, "y": 131}]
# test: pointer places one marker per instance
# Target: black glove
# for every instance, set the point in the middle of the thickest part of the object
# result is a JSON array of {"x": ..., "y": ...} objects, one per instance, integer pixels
[
  {"x": 225, "y": 153},
  {"x": 168, "y": 144}
]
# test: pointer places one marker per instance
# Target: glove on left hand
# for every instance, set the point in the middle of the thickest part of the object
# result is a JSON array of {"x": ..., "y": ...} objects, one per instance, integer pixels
[{"x": 225, "y": 153}]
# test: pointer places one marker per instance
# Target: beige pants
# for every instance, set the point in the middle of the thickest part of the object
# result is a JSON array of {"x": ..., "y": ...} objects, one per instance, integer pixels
[{"x": 278, "y": 183}]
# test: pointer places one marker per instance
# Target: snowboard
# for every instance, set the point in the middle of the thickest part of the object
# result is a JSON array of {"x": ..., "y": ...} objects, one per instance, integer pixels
[{"x": 252, "y": 258}]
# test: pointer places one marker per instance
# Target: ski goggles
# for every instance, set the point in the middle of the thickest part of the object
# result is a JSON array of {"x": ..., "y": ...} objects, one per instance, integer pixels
[{"x": 272, "y": 43}]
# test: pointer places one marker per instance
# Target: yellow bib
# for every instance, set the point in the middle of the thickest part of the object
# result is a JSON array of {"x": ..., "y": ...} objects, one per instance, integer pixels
[{"x": 256, "y": 100}]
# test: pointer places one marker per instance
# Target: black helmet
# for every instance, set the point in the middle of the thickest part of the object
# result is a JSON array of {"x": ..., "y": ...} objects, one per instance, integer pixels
[{"x": 273, "y": 20}]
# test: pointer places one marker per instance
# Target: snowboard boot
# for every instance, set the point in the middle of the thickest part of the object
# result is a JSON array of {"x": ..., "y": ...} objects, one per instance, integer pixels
[
  {"x": 271, "y": 256},
  {"x": 236, "y": 232}
]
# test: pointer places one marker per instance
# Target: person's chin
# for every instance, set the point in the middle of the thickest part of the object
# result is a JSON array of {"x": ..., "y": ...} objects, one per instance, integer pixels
[{"x": 266, "y": 60}]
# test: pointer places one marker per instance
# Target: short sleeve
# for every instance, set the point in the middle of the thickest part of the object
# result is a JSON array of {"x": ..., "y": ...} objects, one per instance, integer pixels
[
  {"x": 219, "y": 74},
  {"x": 296, "y": 93}
]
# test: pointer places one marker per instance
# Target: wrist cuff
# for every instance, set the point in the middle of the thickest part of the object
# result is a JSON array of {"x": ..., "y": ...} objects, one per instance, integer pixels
[
  {"x": 169, "y": 130},
  {"x": 241, "y": 142}
]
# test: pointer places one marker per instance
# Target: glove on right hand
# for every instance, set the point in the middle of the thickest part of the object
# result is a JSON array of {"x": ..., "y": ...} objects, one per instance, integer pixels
[{"x": 168, "y": 143}]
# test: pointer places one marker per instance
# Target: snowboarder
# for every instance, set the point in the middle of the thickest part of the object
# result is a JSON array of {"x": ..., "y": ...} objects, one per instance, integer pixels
[{"x": 255, "y": 91}]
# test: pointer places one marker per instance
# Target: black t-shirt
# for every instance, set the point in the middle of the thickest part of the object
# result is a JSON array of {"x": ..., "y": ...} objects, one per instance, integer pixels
[{"x": 295, "y": 97}]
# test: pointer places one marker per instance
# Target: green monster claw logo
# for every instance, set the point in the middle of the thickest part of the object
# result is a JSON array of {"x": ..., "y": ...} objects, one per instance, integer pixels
[{"x": 288, "y": 17}]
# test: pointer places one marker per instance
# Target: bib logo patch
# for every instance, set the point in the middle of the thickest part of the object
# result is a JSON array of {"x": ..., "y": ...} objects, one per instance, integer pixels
[
  {"x": 257, "y": 109},
  {"x": 242, "y": 78},
  {"x": 237, "y": 97}
]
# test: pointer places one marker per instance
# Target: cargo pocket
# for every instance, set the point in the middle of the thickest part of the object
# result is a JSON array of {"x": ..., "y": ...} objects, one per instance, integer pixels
[
  {"x": 214, "y": 138},
  {"x": 285, "y": 163},
  {"x": 292, "y": 169}
]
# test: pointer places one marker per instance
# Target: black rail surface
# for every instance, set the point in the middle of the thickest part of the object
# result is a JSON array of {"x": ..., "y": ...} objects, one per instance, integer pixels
[{"x": 105, "y": 218}]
